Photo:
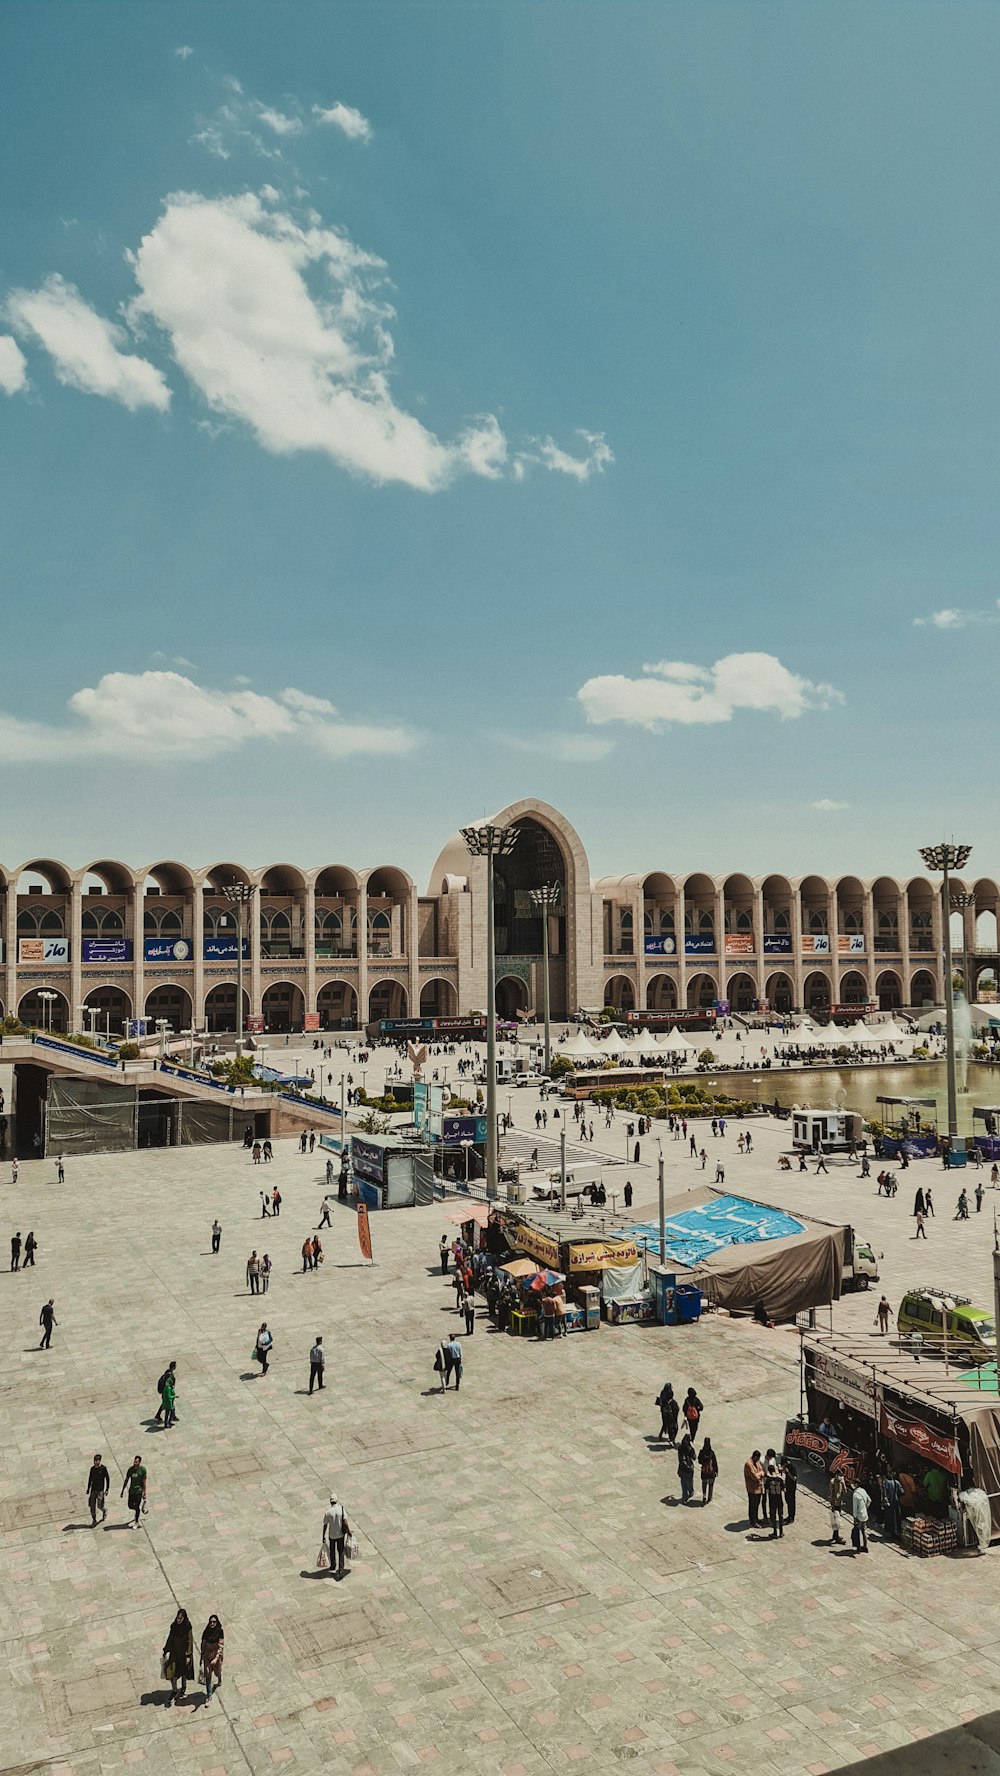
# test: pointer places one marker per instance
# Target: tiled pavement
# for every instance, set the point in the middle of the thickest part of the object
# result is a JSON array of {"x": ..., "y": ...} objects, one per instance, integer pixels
[{"x": 529, "y": 1597}]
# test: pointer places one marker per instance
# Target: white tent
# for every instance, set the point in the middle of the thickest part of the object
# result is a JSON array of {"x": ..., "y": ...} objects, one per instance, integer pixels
[
  {"x": 610, "y": 1048},
  {"x": 578, "y": 1048},
  {"x": 675, "y": 1041}
]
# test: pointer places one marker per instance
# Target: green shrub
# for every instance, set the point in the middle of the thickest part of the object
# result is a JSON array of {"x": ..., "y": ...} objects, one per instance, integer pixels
[
  {"x": 561, "y": 1064},
  {"x": 128, "y": 1051}
]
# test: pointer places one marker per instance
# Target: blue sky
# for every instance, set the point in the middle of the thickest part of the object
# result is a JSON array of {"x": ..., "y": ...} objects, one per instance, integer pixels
[{"x": 409, "y": 408}]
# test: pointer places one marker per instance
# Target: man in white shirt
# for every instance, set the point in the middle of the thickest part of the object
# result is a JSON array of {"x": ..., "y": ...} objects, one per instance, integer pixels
[
  {"x": 859, "y": 1511},
  {"x": 335, "y": 1528},
  {"x": 316, "y": 1361}
]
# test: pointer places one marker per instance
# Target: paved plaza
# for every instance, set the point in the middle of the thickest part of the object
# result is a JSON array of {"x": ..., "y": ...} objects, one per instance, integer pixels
[{"x": 529, "y": 1594}]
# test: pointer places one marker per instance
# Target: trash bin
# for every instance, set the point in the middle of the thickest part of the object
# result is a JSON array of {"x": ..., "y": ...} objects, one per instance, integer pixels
[{"x": 688, "y": 1299}]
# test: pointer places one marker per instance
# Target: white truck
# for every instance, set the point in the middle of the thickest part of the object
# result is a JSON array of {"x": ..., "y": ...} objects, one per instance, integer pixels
[{"x": 860, "y": 1263}]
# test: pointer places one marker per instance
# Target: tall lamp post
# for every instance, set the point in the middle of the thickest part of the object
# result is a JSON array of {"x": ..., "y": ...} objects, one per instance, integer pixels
[
  {"x": 239, "y": 894},
  {"x": 545, "y": 900},
  {"x": 946, "y": 857},
  {"x": 490, "y": 842},
  {"x": 959, "y": 903}
]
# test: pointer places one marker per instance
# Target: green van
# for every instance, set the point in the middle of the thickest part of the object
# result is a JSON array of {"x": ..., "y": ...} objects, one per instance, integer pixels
[{"x": 933, "y": 1314}]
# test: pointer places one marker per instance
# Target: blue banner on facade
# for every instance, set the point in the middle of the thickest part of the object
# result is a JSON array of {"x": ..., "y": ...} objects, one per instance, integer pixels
[
  {"x": 778, "y": 943},
  {"x": 699, "y": 943},
  {"x": 463, "y": 1128},
  {"x": 661, "y": 946},
  {"x": 107, "y": 949},
  {"x": 168, "y": 949},
  {"x": 223, "y": 949}
]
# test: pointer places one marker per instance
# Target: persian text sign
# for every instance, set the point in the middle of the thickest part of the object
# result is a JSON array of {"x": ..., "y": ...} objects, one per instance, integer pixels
[
  {"x": 531, "y": 1240},
  {"x": 816, "y": 944},
  {"x": 851, "y": 944},
  {"x": 364, "y": 1232},
  {"x": 825, "y": 1454},
  {"x": 841, "y": 1383},
  {"x": 739, "y": 943},
  {"x": 107, "y": 949},
  {"x": 660, "y": 946},
  {"x": 596, "y": 1255},
  {"x": 43, "y": 949},
  {"x": 921, "y": 1439}
]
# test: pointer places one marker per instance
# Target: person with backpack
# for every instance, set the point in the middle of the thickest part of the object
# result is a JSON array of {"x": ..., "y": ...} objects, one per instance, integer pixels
[
  {"x": 709, "y": 1466},
  {"x": 685, "y": 1469},
  {"x": 692, "y": 1410},
  {"x": 169, "y": 1374},
  {"x": 669, "y": 1413},
  {"x": 262, "y": 1348},
  {"x": 774, "y": 1491}
]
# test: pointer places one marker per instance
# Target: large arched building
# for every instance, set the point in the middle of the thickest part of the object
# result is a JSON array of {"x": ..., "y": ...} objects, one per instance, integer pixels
[{"x": 107, "y": 943}]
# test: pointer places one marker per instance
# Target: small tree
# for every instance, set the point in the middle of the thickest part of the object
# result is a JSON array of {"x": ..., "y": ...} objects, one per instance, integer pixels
[
  {"x": 237, "y": 1070},
  {"x": 561, "y": 1064},
  {"x": 374, "y": 1124},
  {"x": 706, "y": 1058}
]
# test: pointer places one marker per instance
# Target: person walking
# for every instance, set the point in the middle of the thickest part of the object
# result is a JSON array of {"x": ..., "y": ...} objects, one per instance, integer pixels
[
  {"x": 30, "y": 1248},
  {"x": 168, "y": 1396},
  {"x": 213, "y": 1646},
  {"x": 820, "y": 1162},
  {"x": 860, "y": 1502},
  {"x": 168, "y": 1375},
  {"x": 883, "y": 1315},
  {"x": 98, "y": 1486},
  {"x": 13, "y": 1170},
  {"x": 453, "y": 1361},
  {"x": 60, "y": 1171},
  {"x": 918, "y": 1201},
  {"x": 324, "y": 1219},
  {"x": 774, "y": 1488},
  {"x": 47, "y": 1319},
  {"x": 709, "y": 1466},
  {"x": 692, "y": 1410},
  {"x": 892, "y": 1498},
  {"x": 929, "y": 1202},
  {"x": 443, "y": 1254},
  {"x": 921, "y": 1232},
  {"x": 336, "y": 1529},
  {"x": 178, "y": 1654},
  {"x": 307, "y": 1252},
  {"x": 135, "y": 1484},
  {"x": 685, "y": 1469},
  {"x": 469, "y": 1311},
  {"x": 266, "y": 1268},
  {"x": 669, "y": 1413},
  {"x": 317, "y": 1359},
  {"x": 216, "y": 1235},
  {"x": 276, "y": 1201},
  {"x": 265, "y": 1206},
  {"x": 836, "y": 1499},
  {"x": 980, "y": 1193},
  {"x": 262, "y": 1349},
  {"x": 628, "y": 1189},
  {"x": 15, "y": 1252},
  {"x": 962, "y": 1207},
  {"x": 753, "y": 1480},
  {"x": 317, "y": 1252},
  {"x": 790, "y": 1475},
  {"x": 253, "y": 1273}
]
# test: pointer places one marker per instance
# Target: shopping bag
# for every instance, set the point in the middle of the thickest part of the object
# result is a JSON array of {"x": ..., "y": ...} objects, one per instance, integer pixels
[
  {"x": 350, "y": 1547},
  {"x": 164, "y": 1665},
  {"x": 322, "y": 1558}
]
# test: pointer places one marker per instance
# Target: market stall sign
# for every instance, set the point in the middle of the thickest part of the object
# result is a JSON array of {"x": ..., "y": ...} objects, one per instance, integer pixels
[
  {"x": 600, "y": 1255},
  {"x": 826, "y": 1454},
  {"x": 530, "y": 1239},
  {"x": 843, "y": 1384},
  {"x": 920, "y": 1439}
]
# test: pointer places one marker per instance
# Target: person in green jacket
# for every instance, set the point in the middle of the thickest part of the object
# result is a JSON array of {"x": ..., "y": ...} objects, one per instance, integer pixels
[{"x": 168, "y": 1396}]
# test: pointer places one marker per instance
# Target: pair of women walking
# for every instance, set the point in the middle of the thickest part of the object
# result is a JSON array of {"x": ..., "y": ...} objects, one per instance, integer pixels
[{"x": 177, "y": 1660}]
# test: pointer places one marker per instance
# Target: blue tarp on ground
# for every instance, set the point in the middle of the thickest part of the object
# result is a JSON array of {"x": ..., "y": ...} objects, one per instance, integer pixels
[{"x": 695, "y": 1234}]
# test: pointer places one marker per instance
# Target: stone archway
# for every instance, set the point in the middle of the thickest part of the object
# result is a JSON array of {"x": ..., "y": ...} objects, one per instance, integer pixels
[
  {"x": 742, "y": 992},
  {"x": 387, "y": 999},
  {"x": 337, "y": 1004},
  {"x": 283, "y": 1007},
  {"x": 220, "y": 1008},
  {"x": 922, "y": 988},
  {"x": 702, "y": 992},
  {"x": 438, "y": 999},
  {"x": 42, "y": 1014},
  {"x": 780, "y": 993},
  {"x": 661, "y": 993},
  {"x": 511, "y": 998},
  {"x": 854, "y": 988},
  {"x": 619, "y": 993},
  {"x": 889, "y": 990},
  {"x": 113, "y": 1008},
  {"x": 816, "y": 992},
  {"x": 170, "y": 1003}
]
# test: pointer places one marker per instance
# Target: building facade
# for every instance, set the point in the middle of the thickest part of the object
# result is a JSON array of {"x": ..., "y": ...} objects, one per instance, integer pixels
[{"x": 100, "y": 945}]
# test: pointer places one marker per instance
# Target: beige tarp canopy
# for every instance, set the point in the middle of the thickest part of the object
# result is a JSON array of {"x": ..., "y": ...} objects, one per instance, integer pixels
[{"x": 789, "y": 1275}]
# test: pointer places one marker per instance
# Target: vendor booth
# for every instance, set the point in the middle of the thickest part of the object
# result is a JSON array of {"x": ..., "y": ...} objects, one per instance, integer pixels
[
  {"x": 826, "y": 1131},
  {"x": 910, "y": 1127},
  {"x": 391, "y": 1173},
  {"x": 597, "y": 1265},
  {"x": 936, "y": 1431}
]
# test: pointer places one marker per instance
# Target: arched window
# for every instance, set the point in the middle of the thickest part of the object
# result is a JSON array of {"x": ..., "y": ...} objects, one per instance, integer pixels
[
  {"x": 706, "y": 923},
  {"x": 625, "y": 932},
  {"x": 853, "y": 922},
  {"x": 744, "y": 922},
  {"x": 781, "y": 922},
  {"x": 666, "y": 923},
  {"x": 647, "y": 924},
  {"x": 817, "y": 922}
]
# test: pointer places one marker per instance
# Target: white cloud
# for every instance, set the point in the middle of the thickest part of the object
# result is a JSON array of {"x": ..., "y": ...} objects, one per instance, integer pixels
[
  {"x": 184, "y": 50},
  {"x": 279, "y": 122},
  {"x": 228, "y": 282},
  {"x": 13, "y": 366},
  {"x": 345, "y": 118},
  {"x": 597, "y": 455},
  {"x": 568, "y": 749},
  {"x": 825, "y": 806},
  {"x": 673, "y": 691},
  {"x": 85, "y": 348},
  {"x": 953, "y": 617},
  {"x": 164, "y": 718}
]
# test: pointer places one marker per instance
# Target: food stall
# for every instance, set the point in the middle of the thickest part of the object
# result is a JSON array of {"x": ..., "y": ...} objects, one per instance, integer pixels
[
  {"x": 597, "y": 1262},
  {"x": 910, "y": 1126}
]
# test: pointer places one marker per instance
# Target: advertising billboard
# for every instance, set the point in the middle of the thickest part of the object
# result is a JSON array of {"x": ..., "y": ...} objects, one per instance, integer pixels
[
  {"x": 817, "y": 943},
  {"x": 777, "y": 943},
  {"x": 661, "y": 946},
  {"x": 739, "y": 943},
  {"x": 167, "y": 949},
  {"x": 368, "y": 1160},
  {"x": 699, "y": 943},
  {"x": 311, "y": 1020},
  {"x": 463, "y": 1128},
  {"x": 43, "y": 949},
  {"x": 107, "y": 949},
  {"x": 851, "y": 943},
  {"x": 223, "y": 949}
]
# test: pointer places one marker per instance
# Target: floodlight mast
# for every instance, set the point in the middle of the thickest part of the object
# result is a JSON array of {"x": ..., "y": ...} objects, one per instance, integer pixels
[
  {"x": 943, "y": 858},
  {"x": 490, "y": 842}
]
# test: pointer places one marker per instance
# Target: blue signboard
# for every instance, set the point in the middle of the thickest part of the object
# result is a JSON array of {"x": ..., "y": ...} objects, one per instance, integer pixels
[
  {"x": 463, "y": 1128},
  {"x": 168, "y": 949},
  {"x": 699, "y": 943},
  {"x": 223, "y": 949},
  {"x": 778, "y": 943},
  {"x": 661, "y": 946},
  {"x": 368, "y": 1160},
  {"x": 107, "y": 949},
  {"x": 137, "y": 1027}
]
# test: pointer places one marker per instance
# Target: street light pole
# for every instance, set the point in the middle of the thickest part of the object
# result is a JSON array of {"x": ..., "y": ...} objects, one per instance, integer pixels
[
  {"x": 959, "y": 903},
  {"x": 946, "y": 857},
  {"x": 238, "y": 895},
  {"x": 545, "y": 900},
  {"x": 490, "y": 842}
]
